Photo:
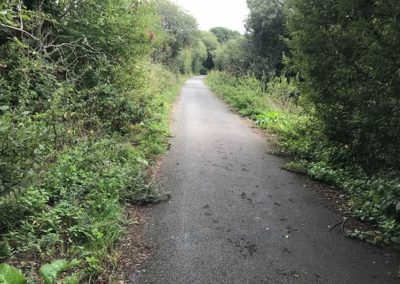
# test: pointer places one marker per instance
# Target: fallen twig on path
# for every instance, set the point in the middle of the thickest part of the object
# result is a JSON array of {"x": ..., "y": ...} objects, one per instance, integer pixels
[{"x": 342, "y": 223}]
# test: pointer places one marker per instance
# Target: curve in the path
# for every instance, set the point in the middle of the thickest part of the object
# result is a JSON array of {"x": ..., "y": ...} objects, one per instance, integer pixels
[{"x": 236, "y": 217}]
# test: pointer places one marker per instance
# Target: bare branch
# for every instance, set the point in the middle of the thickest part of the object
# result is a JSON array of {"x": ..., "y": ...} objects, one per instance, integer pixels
[{"x": 20, "y": 30}]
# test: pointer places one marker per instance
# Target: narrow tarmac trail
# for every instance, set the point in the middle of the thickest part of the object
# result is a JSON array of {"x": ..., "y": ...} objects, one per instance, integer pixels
[{"x": 236, "y": 217}]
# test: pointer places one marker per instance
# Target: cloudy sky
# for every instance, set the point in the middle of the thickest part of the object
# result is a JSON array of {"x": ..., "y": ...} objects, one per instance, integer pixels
[{"x": 211, "y": 13}]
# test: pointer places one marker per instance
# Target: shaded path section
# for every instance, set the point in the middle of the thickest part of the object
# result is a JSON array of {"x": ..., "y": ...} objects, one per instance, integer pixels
[{"x": 236, "y": 217}]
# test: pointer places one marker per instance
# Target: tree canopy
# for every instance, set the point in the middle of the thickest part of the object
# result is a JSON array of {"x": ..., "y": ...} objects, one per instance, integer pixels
[
  {"x": 182, "y": 32},
  {"x": 211, "y": 42},
  {"x": 224, "y": 34},
  {"x": 264, "y": 47},
  {"x": 266, "y": 29}
]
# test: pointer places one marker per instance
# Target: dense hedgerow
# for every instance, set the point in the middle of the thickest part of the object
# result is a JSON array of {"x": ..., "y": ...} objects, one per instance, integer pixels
[
  {"x": 348, "y": 55},
  {"x": 83, "y": 110}
]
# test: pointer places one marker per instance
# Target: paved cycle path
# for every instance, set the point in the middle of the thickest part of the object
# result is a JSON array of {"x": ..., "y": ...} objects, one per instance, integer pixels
[{"x": 236, "y": 217}]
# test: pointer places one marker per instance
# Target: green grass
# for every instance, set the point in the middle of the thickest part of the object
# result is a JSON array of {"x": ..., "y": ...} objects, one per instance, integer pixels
[{"x": 278, "y": 108}]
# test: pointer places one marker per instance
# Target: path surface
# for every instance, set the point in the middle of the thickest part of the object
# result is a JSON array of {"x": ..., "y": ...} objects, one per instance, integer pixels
[{"x": 236, "y": 217}]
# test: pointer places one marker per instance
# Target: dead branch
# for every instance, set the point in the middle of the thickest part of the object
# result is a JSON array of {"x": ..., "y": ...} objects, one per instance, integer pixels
[{"x": 20, "y": 30}]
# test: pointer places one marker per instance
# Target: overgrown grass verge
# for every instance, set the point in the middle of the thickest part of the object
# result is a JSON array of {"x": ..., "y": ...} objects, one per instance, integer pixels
[
  {"x": 70, "y": 214},
  {"x": 278, "y": 108}
]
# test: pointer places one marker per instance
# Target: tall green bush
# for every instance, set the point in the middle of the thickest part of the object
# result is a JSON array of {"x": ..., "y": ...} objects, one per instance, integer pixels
[
  {"x": 265, "y": 31},
  {"x": 348, "y": 55}
]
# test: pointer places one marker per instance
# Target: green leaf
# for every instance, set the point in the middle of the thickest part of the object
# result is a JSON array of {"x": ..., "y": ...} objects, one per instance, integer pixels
[
  {"x": 10, "y": 275},
  {"x": 50, "y": 271}
]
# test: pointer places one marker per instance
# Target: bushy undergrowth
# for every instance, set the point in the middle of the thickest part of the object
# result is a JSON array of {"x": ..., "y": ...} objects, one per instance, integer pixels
[
  {"x": 279, "y": 109},
  {"x": 83, "y": 111},
  {"x": 69, "y": 203}
]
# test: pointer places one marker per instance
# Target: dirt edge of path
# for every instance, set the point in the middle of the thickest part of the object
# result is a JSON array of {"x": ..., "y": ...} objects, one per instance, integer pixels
[{"x": 133, "y": 249}]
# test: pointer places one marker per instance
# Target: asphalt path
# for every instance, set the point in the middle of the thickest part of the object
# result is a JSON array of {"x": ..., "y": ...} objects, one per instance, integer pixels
[{"x": 236, "y": 217}]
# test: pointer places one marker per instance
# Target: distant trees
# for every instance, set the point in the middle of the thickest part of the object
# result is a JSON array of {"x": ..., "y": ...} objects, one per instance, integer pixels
[
  {"x": 224, "y": 34},
  {"x": 263, "y": 45},
  {"x": 182, "y": 32},
  {"x": 211, "y": 42},
  {"x": 186, "y": 49},
  {"x": 234, "y": 57},
  {"x": 265, "y": 27},
  {"x": 199, "y": 54}
]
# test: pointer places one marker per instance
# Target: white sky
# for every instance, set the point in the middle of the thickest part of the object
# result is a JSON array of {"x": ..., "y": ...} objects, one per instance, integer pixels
[{"x": 212, "y": 13}]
